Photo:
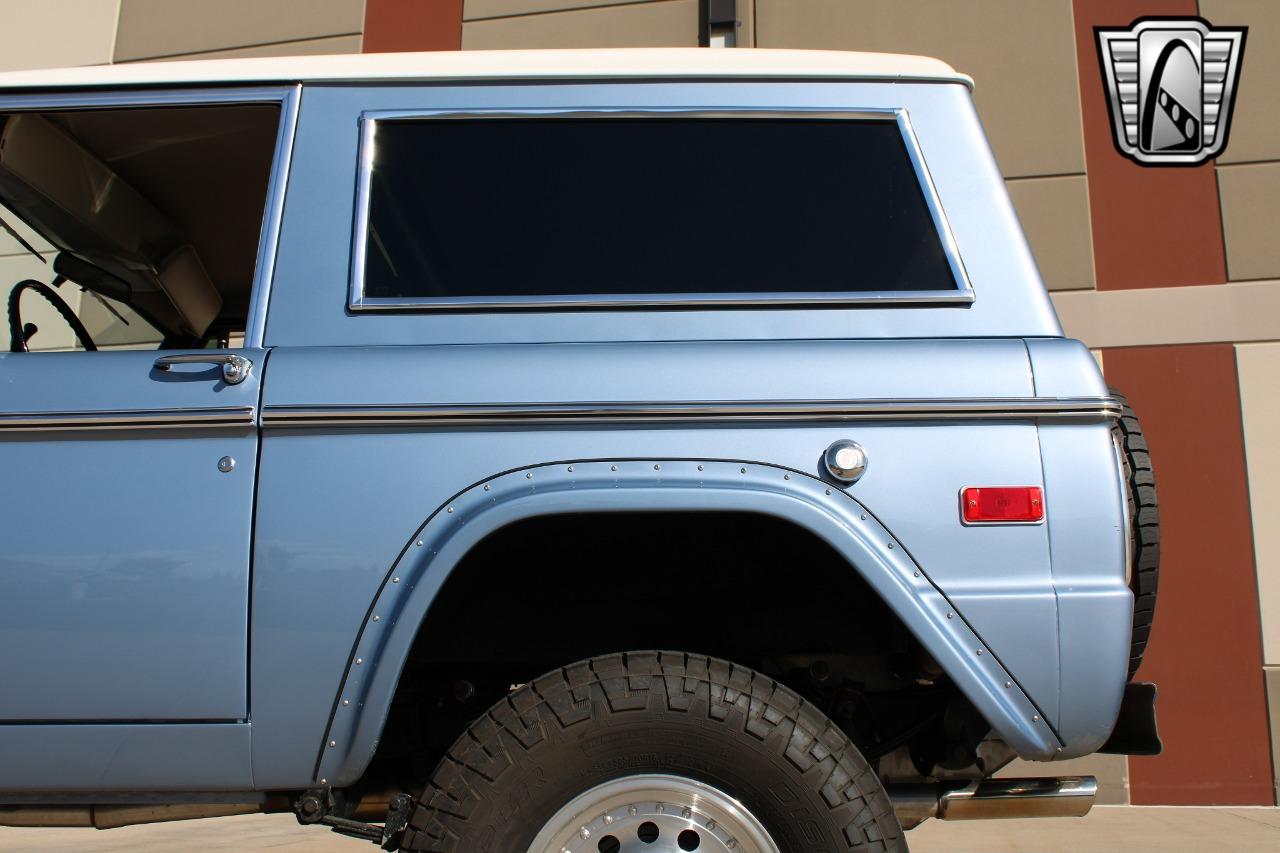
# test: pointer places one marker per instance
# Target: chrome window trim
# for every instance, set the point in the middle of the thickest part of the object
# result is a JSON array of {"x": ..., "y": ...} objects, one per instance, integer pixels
[
  {"x": 269, "y": 237},
  {"x": 1075, "y": 409},
  {"x": 273, "y": 214},
  {"x": 357, "y": 302},
  {"x": 219, "y": 417}
]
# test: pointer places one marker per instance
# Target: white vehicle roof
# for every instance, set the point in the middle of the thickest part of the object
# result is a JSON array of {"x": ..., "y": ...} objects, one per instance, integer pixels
[{"x": 499, "y": 65}]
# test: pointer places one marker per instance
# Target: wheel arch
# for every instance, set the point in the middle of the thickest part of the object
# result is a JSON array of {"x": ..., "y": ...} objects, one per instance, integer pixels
[{"x": 449, "y": 533}]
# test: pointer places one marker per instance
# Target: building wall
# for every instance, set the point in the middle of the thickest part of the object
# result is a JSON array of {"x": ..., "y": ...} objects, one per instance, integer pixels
[
  {"x": 191, "y": 29},
  {"x": 1172, "y": 276},
  {"x": 57, "y": 32},
  {"x": 494, "y": 24}
]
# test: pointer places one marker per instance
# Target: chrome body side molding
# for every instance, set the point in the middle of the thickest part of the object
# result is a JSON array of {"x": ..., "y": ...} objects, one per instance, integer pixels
[
  {"x": 666, "y": 412},
  {"x": 226, "y": 416}
]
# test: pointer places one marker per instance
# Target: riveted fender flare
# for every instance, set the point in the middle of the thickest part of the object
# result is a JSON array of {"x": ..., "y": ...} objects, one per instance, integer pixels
[{"x": 620, "y": 485}]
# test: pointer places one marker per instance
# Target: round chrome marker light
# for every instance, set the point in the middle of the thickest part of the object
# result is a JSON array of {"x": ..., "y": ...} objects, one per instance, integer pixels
[{"x": 845, "y": 460}]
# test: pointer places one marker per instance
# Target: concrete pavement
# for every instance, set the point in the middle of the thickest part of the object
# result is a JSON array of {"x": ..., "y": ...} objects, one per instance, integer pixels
[
  {"x": 1108, "y": 829},
  {"x": 1111, "y": 829}
]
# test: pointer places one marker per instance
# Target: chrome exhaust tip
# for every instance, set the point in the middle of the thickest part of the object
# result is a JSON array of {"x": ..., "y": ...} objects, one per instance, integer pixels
[{"x": 1069, "y": 796}]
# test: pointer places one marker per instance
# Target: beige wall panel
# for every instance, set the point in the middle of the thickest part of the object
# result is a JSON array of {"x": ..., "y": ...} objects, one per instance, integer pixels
[
  {"x": 670, "y": 23},
  {"x": 746, "y": 23},
  {"x": 1021, "y": 55},
  {"x": 1273, "y": 703},
  {"x": 1259, "y": 368},
  {"x": 1055, "y": 216},
  {"x": 1255, "y": 126},
  {"x": 1250, "y": 210},
  {"x": 473, "y": 10},
  {"x": 55, "y": 33},
  {"x": 308, "y": 47},
  {"x": 1112, "y": 772},
  {"x": 1150, "y": 316},
  {"x": 157, "y": 28}
]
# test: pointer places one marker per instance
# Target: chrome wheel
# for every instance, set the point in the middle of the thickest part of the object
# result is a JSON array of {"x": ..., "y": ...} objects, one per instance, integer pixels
[{"x": 653, "y": 814}]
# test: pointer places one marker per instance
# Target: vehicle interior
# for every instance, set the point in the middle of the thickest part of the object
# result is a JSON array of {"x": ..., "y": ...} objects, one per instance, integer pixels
[{"x": 132, "y": 228}]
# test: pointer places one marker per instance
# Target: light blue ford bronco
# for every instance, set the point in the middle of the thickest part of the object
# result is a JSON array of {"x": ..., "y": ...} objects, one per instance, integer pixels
[{"x": 548, "y": 452}]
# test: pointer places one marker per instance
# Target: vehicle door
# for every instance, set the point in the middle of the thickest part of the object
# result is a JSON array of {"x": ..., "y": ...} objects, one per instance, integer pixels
[{"x": 129, "y": 450}]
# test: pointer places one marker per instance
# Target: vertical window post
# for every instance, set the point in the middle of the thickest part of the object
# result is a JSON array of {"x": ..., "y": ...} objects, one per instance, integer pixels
[{"x": 717, "y": 23}]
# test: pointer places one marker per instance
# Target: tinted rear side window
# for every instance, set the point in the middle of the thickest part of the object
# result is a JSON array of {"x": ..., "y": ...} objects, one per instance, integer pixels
[{"x": 609, "y": 207}]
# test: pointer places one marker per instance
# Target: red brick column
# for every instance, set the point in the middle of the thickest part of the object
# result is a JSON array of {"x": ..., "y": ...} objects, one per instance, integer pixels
[
  {"x": 1161, "y": 227},
  {"x": 391, "y": 26},
  {"x": 1205, "y": 652},
  {"x": 1152, "y": 227}
]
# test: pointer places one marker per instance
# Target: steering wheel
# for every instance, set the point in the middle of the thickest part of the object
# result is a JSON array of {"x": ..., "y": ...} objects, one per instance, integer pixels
[{"x": 20, "y": 334}]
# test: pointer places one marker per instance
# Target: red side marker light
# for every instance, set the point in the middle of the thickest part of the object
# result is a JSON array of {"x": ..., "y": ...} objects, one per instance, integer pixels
[{"x": 1002, "y": 503}]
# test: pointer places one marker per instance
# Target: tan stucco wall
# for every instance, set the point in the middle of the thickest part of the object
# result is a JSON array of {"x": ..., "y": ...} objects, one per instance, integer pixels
[
  {"x": 1214, "y": 313},
  {"x": 1249, "y": 171},
  {"x": 152, "y": 29},
  {"x": 658, "y": 23},
  {"x": 1054, "y": 213},
  {"x": 1259, "y": 370},
  {"x": 474, "y": 10},
  {"x": 1250, "y": 218},
  {"x": 56, "y": 32},
  {"x": 1021, "y": 54},
  {"x": 1255, "y": 129}
]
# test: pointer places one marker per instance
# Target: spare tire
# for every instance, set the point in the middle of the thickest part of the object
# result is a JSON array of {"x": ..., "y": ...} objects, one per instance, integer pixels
[{"x": 1144, "y": 527}]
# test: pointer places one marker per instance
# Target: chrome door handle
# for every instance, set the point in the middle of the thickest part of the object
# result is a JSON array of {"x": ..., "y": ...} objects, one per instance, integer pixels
[{"x": 235, "y": 368}]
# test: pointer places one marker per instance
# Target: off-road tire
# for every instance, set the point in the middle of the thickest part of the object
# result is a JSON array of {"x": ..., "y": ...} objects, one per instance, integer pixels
[
  {"x": 647, "y": 713},
  {"x": 1144, "y": 532}
]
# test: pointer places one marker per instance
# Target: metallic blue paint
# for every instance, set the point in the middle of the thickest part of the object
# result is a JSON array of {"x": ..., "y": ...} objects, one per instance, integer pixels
[
  {"x": 336, "y": 507},
  {"x": 314, "y": 263},
  {"x": 124, "y": 574},
  {"x": 678, "y": 485},
  {"x": 1086, "y": 517},
  {"x": 127, "y": 592},
  {"x": 337, "y": 504},
  {"x": 136, "y": 757}
]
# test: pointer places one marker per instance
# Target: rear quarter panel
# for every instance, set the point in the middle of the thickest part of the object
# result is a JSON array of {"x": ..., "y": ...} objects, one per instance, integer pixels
[{"x": 338, "y": 505}]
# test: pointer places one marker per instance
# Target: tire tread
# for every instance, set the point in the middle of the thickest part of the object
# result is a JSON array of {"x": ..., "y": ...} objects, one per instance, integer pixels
[
  {"x": 723, "y": 692},
  {"x": 1145, "y": 527}
]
